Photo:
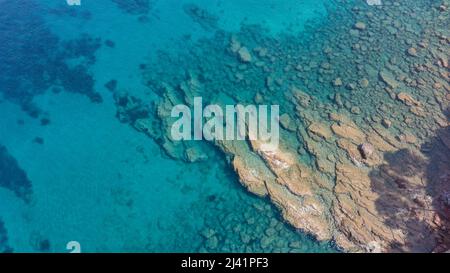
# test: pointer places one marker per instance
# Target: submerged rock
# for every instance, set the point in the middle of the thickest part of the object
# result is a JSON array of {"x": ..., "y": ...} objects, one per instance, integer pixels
[
  {"x": 13, "y": 177},
  {"x": 366, "y": 150},
  {"x": 412, "y": 52},
  {"x": 244, "y": 55}
]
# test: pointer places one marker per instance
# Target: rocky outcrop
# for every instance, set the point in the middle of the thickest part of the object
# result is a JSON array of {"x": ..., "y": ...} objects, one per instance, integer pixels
[
  {"x": 13, "y": 177},
  {"x": 363, "y": 160}
]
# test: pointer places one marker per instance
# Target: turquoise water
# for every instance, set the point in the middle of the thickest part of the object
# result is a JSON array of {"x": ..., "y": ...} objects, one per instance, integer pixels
[{"x": 98, "y": 181}]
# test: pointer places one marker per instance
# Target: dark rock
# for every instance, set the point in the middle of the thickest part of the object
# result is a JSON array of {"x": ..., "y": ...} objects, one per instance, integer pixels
[
  {"x": 45, "y": 121},
  {"x": 110, "y": 43},
  {"x": 201, "y": 16},
  {"x": 143, "y": 19},
  {"x": 38, "y": 140},
  {"x": 111, "y": 85}
]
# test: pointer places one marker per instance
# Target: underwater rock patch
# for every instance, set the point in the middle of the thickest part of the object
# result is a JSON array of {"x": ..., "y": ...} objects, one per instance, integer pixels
[
  {"x": 336, "y": 174},
  {"x": 33, "y": 59},
  {"x": 201, "y": 16},
  {"x": 13, "y": 177},
  {"x": 134, "y": 7},
  {"x": 4, "y": 247}
]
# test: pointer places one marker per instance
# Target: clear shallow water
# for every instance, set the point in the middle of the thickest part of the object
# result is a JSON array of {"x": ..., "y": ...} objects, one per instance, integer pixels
[{"x": 98, "y": 181}]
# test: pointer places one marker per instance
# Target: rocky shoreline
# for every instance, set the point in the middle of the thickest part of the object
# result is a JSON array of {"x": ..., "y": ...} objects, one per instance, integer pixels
[{"x": 365, "y": 97}]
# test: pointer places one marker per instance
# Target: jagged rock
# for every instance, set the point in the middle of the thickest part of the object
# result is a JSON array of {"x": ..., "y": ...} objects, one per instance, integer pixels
[
  {"x": 366, "y": 150},
  {"x": 349, "y": 132},
  {"x": 320, "y": 130},
  {"x": 355, "y": 212},
  {"x": 351, "y": 149},
  {"x": 252, "y": 178},
  {"x": 305, "y": 213}
]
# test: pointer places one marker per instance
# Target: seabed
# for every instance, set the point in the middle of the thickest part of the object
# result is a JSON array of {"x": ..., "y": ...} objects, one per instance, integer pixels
[{"x": 86, "y": 153}]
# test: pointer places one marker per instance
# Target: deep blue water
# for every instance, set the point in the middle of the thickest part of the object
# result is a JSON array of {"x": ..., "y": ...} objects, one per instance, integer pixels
[{"x": 70, "y": 171}]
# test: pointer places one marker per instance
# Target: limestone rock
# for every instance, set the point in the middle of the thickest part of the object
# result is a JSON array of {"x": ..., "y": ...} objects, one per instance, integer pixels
[
  {"x": 320, "y": 130},
  {"x": 252, "y": 178},
  {"x": 244, "y": 55},
  {"x": 305, "y": 213},
  {"x": 349, "y": 132},
  {"x": 366, "y": 150}
]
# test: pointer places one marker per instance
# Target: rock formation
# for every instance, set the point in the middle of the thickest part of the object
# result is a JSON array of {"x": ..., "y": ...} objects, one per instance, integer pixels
[{"x": 364, "y": 154}]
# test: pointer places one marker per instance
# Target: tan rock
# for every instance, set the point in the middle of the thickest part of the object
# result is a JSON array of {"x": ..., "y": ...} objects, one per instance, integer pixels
[
  {"x": 252, "y": 178},
  {"x": 418, "y": 111},
  {"x": 351, "y": 149},
  {"x": 386, "y": 123},
  {"x": 321, "y": 130},
  {"x": 379, "y": 143},
  {"x": 348, "y": 132},
  {"x": 407, "y": 99},
  {"x": 306, "y": 213},
  {"x": 366, "y": 150}
]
